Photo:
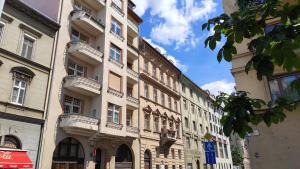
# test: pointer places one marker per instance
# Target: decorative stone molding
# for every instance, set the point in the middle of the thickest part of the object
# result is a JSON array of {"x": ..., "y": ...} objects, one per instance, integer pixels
[
  {"x": 117, "y": 35},
  {"x": 114, "y": 125},
  {"x": 85, "y": 81},
  {"x": 133, "y": 99},
  {"x": 115, "y": 92},
  {"x": 79, "y": 122},
  {"x": 133, "y": 73},
  {"x": 116, "y": 63},
  {"x": 131, "y": 129},
  {"x": 119, "y": 10}
]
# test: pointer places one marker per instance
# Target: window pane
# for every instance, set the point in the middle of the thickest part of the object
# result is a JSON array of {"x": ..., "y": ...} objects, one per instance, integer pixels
[
  {"x": 287, "y": 90},
  {"x": 14, "y": 95},
  {"x": 21, "y": 96}
]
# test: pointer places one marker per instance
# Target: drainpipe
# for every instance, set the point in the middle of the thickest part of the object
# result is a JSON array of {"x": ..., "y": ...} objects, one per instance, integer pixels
[
  {"x": 139, "y": 136},
  {"x": 46, "y": 114}
]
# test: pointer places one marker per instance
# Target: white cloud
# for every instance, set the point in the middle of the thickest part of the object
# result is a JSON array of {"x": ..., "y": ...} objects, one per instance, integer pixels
[
  {"x": 176, "y": 19},
  {"x": 217, "y": 86},
  {"x": 163, "y": 51}
]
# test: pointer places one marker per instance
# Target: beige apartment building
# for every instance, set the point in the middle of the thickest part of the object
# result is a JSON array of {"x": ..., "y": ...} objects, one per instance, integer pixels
[
  {"x": 26, "y": 63},
  {"x": 92, "y": 122},
  {"x": 160, "y": 117},
  {"x": 222, "y": 143},
  {"x": 195, "y": 122},
  {"x": 275, "y": 147}
]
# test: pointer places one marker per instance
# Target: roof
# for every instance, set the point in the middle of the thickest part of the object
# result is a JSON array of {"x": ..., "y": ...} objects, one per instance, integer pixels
[
  {"x": 161, "y": 55},
  {"x": 33, "y": 13}
]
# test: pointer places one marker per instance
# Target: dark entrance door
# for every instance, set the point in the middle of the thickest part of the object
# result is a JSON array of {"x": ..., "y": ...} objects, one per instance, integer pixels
[
  {"x": 98, "y": 159},
  {"x": 123, "y": 158},
  {"x": 147, "y": 159}
]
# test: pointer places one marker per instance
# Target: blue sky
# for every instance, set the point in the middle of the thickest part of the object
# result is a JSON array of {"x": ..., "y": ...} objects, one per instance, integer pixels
[{"x": 174, "y": 26}]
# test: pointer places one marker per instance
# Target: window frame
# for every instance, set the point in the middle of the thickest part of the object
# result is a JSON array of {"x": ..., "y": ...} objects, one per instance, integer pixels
[
  {"x": 117, "y": 51},
  {"x": 19, "y": 87},
  {"x": 116, "y": 26},
  {"x": 72, "y": 105},
  {"x": 31, "y": 39},
  {"x": 116, "y": 113}
]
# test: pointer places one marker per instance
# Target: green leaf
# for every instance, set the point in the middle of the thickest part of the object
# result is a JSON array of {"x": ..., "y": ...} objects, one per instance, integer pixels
[
  {"x": 220, "y": 55},
  {"x": 212, "y": 44}
]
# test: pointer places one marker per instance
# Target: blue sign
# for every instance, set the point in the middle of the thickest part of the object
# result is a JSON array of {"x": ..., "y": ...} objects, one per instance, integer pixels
[{"x": 210, "y": 152}]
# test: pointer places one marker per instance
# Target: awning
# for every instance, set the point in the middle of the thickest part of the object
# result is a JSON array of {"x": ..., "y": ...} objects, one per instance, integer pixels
[{"x": 14, "y": 159}]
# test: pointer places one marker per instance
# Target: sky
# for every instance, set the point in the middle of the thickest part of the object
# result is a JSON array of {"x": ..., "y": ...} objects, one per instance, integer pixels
[{"x": 174, "y": 27}]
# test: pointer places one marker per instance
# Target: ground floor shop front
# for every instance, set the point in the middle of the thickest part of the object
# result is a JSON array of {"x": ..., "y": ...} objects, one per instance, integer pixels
[{"x": 79, "y": 152}]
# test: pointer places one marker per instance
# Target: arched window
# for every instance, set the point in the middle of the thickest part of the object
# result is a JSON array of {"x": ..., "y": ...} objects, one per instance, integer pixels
[
  {"x": 147, "y": 159},
  {"x": 11, "y": 141},
  {"x": 98, "y": 156},
  {"x": 123, "y": 158},
  {"x": 68, "y": 154}
]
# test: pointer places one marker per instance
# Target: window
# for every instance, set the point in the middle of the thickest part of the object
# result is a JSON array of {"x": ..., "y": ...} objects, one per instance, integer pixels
[
  {"x": 188, "y": 143},
  {"x": 196, "y": 144},
  {"x": 180, "y": 166},
  {"x": 193, "y": 108},
  {"x": 162, "y": 76},
  {"x": 185, "y": 104},
  {"x": 169, "y": 80},
  {"x": 221, "y": 150},
  {"x": 154, "y": 71},
  {"x": 147, "y": 121},
  {"x": 155, "y": 94},
  {"x": 156, "y": 124},
  {"x": 10, "y": 141},
  {"x": 129, "y": 118},
  {"x": 173, "y": 167},
  {"x": 72, "y": 105},
  {"x": 146, "y": 90},
  {"x": 179, "y": 154},
  {"x": 115, "y": 81},
  {"x": 173, "y": 153},
  {"x": 164, "y": 123},
  {"x": 116, "y": 27},
  {"x": 226, "y": 151},
  {"x": 194, "y": 126},
  {"x": 162, "y": 98},
  {"x": 175, "y": 105},
  {"x": 19, "y": 91},
  {"x": 178, "y": 130},
  {"x": 183, "y": 88},
  {"x": 82, "y": 7},
  {"x": 280, "y": 87},
  {"x": 146, "y": 66},
  {"x": 75, "y": 69},
  {"x": 201, "y": 128},
  {"x": 186, "y": 122},
  {"x": 191, "y": 92},
  {"x": 113, "y": 113},
  {"x": 115, "y": 53},
  {"x": 27, "y": 48},
  {"x": 78, "y": 36},
  {"x": 190, "y": 166},
  {"x": 157, "y": 166},
  {"x": 199, "y": 111},
  {"x": 174, "y": 84},
  {"x": 170, "y": 102},
  {"x": 171, "y": 125}
]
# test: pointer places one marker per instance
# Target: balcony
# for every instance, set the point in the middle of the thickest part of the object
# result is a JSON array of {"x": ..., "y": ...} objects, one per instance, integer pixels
[
  {"x": 133, "y": 74},
  {"x": 115, "y": 92},
  {"x": 82, "y": 85},
  {"x": 133, "y": 101},
  {"x": 97, "y": 4},
  {"x": 132, "y": 49},
  {"x": 87, "y": 22},
  {"x": 132, "y": 131},
  {"x": 116, "y": 62},
  {"x": 133, "y": 26},
  {"x": 85, "y": 52},
  {"x": 117, "y": 8},
  {"x": 114, "y": 125},
  {"x": 167, "y": 137},
  {"x": 79, "y": 124}
]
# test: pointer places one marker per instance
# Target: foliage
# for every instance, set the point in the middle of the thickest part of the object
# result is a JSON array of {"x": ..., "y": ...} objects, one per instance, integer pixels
[
  {"x": 270, "y": 49},
  {"x": 237, "y": 155}
]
